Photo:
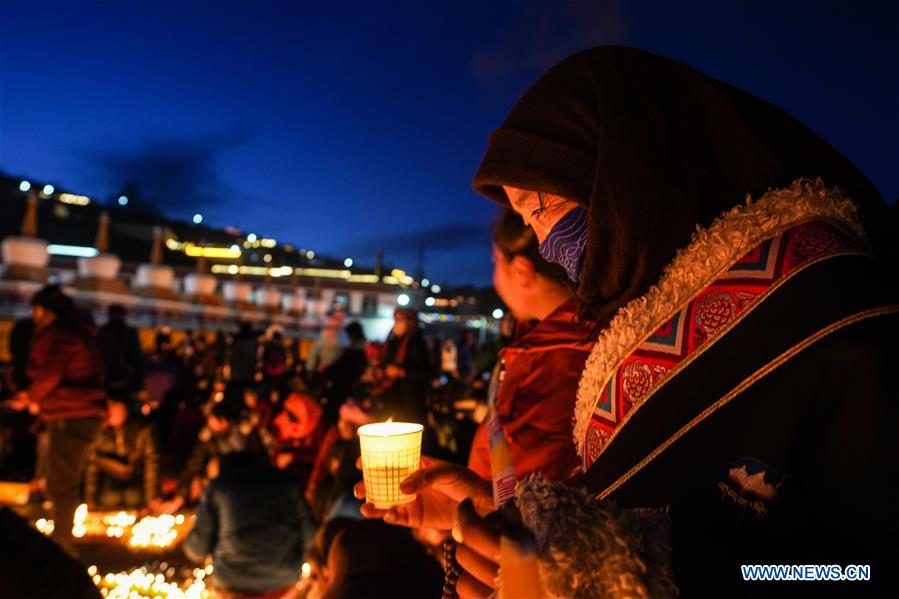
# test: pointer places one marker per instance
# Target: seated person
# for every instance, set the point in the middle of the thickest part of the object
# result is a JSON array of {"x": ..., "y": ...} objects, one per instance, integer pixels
[
  {"x": 334, "y": 474},
  {"x": 226, "y": 431},
  {"x": 317, "y": 556},
  {"x": 298, "y": 433},
  {"x": 253, "y": 521},
  {"x": 374, "y": 560},
  {"x": 123, "y": 462}
]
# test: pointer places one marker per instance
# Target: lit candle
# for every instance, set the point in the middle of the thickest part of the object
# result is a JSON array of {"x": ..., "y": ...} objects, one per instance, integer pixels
[{"x": 391, "y": 451}]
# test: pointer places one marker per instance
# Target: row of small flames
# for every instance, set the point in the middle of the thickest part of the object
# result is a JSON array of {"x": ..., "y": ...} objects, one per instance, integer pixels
[{"x": 149, "y": 532}]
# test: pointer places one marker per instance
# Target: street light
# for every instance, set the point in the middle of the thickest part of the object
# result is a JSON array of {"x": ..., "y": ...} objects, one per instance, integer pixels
[
  {"x": 430, "y": 301},
  {"x": 348, "y": 262},
  {"x": 123, "y": 200},
  {"x": 498, "y": 313},
  {"x": 24, "y": 186},
  {"x": 49, "y": 189},
  {"x": 425, "y": 283},
  {"x": 402, "y": 299},
  {"x": 198, "y": 218}
]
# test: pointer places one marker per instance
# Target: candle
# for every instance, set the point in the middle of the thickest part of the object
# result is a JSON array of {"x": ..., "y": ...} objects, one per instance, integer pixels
[{"x": 391, "y": 451}]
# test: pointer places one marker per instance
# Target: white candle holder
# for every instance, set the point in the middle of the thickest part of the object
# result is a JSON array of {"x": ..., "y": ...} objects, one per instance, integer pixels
[{"x": 391, "y": 451}]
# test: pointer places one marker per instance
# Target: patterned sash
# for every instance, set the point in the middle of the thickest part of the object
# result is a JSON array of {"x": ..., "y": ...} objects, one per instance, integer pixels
[
  {"x": 704, "y": 319},
  {"x": 502, "y": 469}
]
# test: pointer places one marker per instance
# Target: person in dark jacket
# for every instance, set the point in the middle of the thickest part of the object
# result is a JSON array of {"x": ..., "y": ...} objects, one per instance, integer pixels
[
  {"x": 274, "y": 366},
  {"x": 67, "y": 390},
  {"x": 19, "y": 346},
  {"x": 244, "y": 358},
  {"x": 123, "y": 468},
  {"x": 122, "y": 355},
  {"x": 407, "y": 370},
  {"x": 340, "y": 378},
  {"x": 18, "y": 448},
  {"x": 253, "y": 521},
  {"x": 227, "y": 430},
  {"x": 465, "y": 357}
]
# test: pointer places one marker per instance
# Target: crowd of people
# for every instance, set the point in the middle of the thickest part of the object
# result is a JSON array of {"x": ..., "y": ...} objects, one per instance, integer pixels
[
  {"x": 255, "y": 437},
  {"x": 699, "y": 377}
]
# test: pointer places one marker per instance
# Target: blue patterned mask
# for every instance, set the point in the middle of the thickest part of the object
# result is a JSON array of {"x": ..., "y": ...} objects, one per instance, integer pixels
[{"x": 566, "y": 242}]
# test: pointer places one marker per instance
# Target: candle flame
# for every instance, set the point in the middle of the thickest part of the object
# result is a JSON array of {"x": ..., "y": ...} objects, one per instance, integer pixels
[{"x": 389, "y": 428}]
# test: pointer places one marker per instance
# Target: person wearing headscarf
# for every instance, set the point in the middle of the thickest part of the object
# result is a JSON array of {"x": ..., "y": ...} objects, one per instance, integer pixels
[{"x": 736, "y": 270}]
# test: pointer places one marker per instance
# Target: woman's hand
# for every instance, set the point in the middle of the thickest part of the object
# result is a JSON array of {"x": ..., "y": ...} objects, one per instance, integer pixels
[
  {"x": 477, "y": 552},
  {"x": 439, "y": 487},
  {"x": 158, "y": 505},
  {"x": 19, "y": 402}
]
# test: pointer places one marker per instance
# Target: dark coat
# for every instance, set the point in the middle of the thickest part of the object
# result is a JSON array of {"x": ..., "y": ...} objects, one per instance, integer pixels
[
  {"x": 821, "y": 431},
  {"x": 19, "y": 346},
  {"x": 777, "y": 444},
  {"x": 340, "y": 378},
  {"x": 123, "y": 358},
  {"x": 244, "y": 357},
  {"x": 254, "y": 522},
  {"x": 405, "y": 399}
]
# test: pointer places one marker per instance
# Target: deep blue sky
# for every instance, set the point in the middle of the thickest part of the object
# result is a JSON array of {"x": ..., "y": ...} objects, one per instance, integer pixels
[{"x": 347, "y": 126}]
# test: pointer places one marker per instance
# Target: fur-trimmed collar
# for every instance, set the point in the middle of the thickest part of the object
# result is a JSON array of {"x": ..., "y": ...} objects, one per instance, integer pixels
[{"x": 711, "y": 252}]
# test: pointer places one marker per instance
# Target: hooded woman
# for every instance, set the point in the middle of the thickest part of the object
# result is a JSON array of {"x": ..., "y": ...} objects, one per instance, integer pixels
[{"x": 726, "y": 258}]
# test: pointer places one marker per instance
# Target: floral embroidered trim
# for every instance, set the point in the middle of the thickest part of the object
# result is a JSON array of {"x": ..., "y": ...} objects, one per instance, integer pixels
[{"x": 711, "y": 252}]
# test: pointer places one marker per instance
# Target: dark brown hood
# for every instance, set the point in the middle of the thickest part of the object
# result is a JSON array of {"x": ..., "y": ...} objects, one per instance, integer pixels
[{"x": 653, "y": 148}]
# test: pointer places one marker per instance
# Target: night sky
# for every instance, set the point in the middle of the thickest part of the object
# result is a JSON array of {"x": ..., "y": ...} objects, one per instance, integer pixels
[{"x": 345, "y": 127}]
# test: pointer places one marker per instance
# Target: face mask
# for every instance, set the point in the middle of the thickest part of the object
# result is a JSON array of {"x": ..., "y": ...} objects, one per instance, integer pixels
[{"x": 566, "y": 242}]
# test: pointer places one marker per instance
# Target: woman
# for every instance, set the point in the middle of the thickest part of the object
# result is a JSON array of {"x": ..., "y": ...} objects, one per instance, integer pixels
[
  {"x": 407, "y": 370},
  {"x": 734, "y": 374},
  {"x": 741, "y": 376},
  {"x": 539, "y": 369}
]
